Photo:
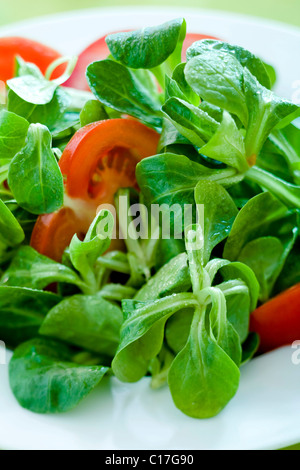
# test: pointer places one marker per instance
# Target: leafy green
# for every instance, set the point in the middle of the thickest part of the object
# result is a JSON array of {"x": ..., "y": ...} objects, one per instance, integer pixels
[
  {"x": 219, "y": 79},
  {"x": 13, "y": 132},
  {"x": 30, "y": 269},
  {"x": 33, "y": 89},
  {"x": 44, "y": 379},
  {"x": 48, "y": 114},
  {"x": 193, "y": 123},
  {"x": 290, "y": 274},
  {"x": 288, "y": 193},
  {"x": 227, "y": 145},
  {"x": 142, "y": 333},
  {"x": 266, "y": 112},
  {"x": 219, "y": 213},
  {"x": 92, "y": 111},
  {"x": 86, "y": 321},
  {"x": 262, "y": 236},
  {"x": 172, "y": 278},
  {"x": 149, "y": 47},
  {"x": 250, "y": 347},
  {"x": 11, "y": 232},
  {"x": 34, "y": 176},
  {"x": 171, "y": 178},
  {"x": 202, "y": 377},
  {"x": 123, "y": 92},
  {"x": 22, "y": 311},
  {"x": 83, "y": 254},
  {"x": 246, "y": 58}
]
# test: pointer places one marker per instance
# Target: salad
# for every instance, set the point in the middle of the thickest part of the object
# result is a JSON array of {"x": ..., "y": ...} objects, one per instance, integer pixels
[{"x": 149, "y": 217}]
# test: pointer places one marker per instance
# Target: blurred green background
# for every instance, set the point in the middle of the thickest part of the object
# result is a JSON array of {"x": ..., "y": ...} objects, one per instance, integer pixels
[{"x": 282, "y": 10}]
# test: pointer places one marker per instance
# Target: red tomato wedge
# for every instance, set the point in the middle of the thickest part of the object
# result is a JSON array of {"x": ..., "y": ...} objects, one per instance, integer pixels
[
  {"x": 30, "y": 51},
  {"x": 52, "y": 233},
  {"x": 99, "y": 159},
  {"x": 98, "y": 50},
  {"x": 278, "y": 321}
]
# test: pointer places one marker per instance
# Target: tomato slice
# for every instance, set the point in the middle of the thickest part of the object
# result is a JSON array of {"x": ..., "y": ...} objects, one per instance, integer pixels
[
  {"x": 278, "y": 321},
  {"x": 98, "y": 50},
  {"x": 103, "y": 155},
  {"x": 99, "y": 159},
  {"x": 30, "y": 51},
  {"x": 53, "y": 232}
]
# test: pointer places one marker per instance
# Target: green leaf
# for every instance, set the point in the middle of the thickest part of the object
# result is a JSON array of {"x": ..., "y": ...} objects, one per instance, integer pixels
[
  {"x": 255, "y": 219},
  {"x": 142, "y": 333},
  {"x": 245, "y": 58},
  {"x": 87, "y": 321},
  {"x": 159, "y": 368},
  {"x": 263, "y": 216},
  {"x": 179, "y": 78},
  {"x": 30, "y": 269},
  {"x": 264, "y": 256},
  {"x": 22, "y": 311},
  {"x": 219, "y": 214},
  {"x": 171, "y": 178},
  {"x": 194, "y": 242},
  {"x": 272, "y": 160},
  {"x": 11, "y": 232},
  {"x": 172, "y": 278},
  {"x": 193, "y": 123},
  {"x": 219, "y": 79},
  {"x": 240, "y": 271},
  {"x": 290, "y": 275},
  {"x": 227, "y": 145},
  {"x": 170, "y": 136},
  {"x": 287, "y": 142},
  {"x": 123, "y": 91},
  {"x": 33, "y": 89},
  {"x": 26, "y": 68},
  {"x": 84, "y": 253},
  {"x": 250, "y": 347},
  {"x": 13, "y": 132},
  {"x": 92, "y": 111},
  {"x": 178, "y": 329},
  {"x": 202, "y": 377},
  {"x": 266, "y": 111},
  {"x": 48, "y": 114},
  {"x": 117, "y": 292},
  {"x": 286, "y": 192},
  {"x": 148, "y": 47},
  {"x": 44, "y": 379},
  {"x": 34, "y": 175}
]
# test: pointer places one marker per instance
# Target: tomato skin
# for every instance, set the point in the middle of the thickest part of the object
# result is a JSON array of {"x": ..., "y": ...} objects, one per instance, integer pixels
[
  {"x": 30, "y": 51},
  {"x": 98, "y": 50},
  {"x": 278, "y": 321},
  {"x": 83, "y": 153}
]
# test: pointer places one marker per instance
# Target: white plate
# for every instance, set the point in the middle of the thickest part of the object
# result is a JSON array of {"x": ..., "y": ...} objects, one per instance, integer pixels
[{"x": 265, "y": 413}]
